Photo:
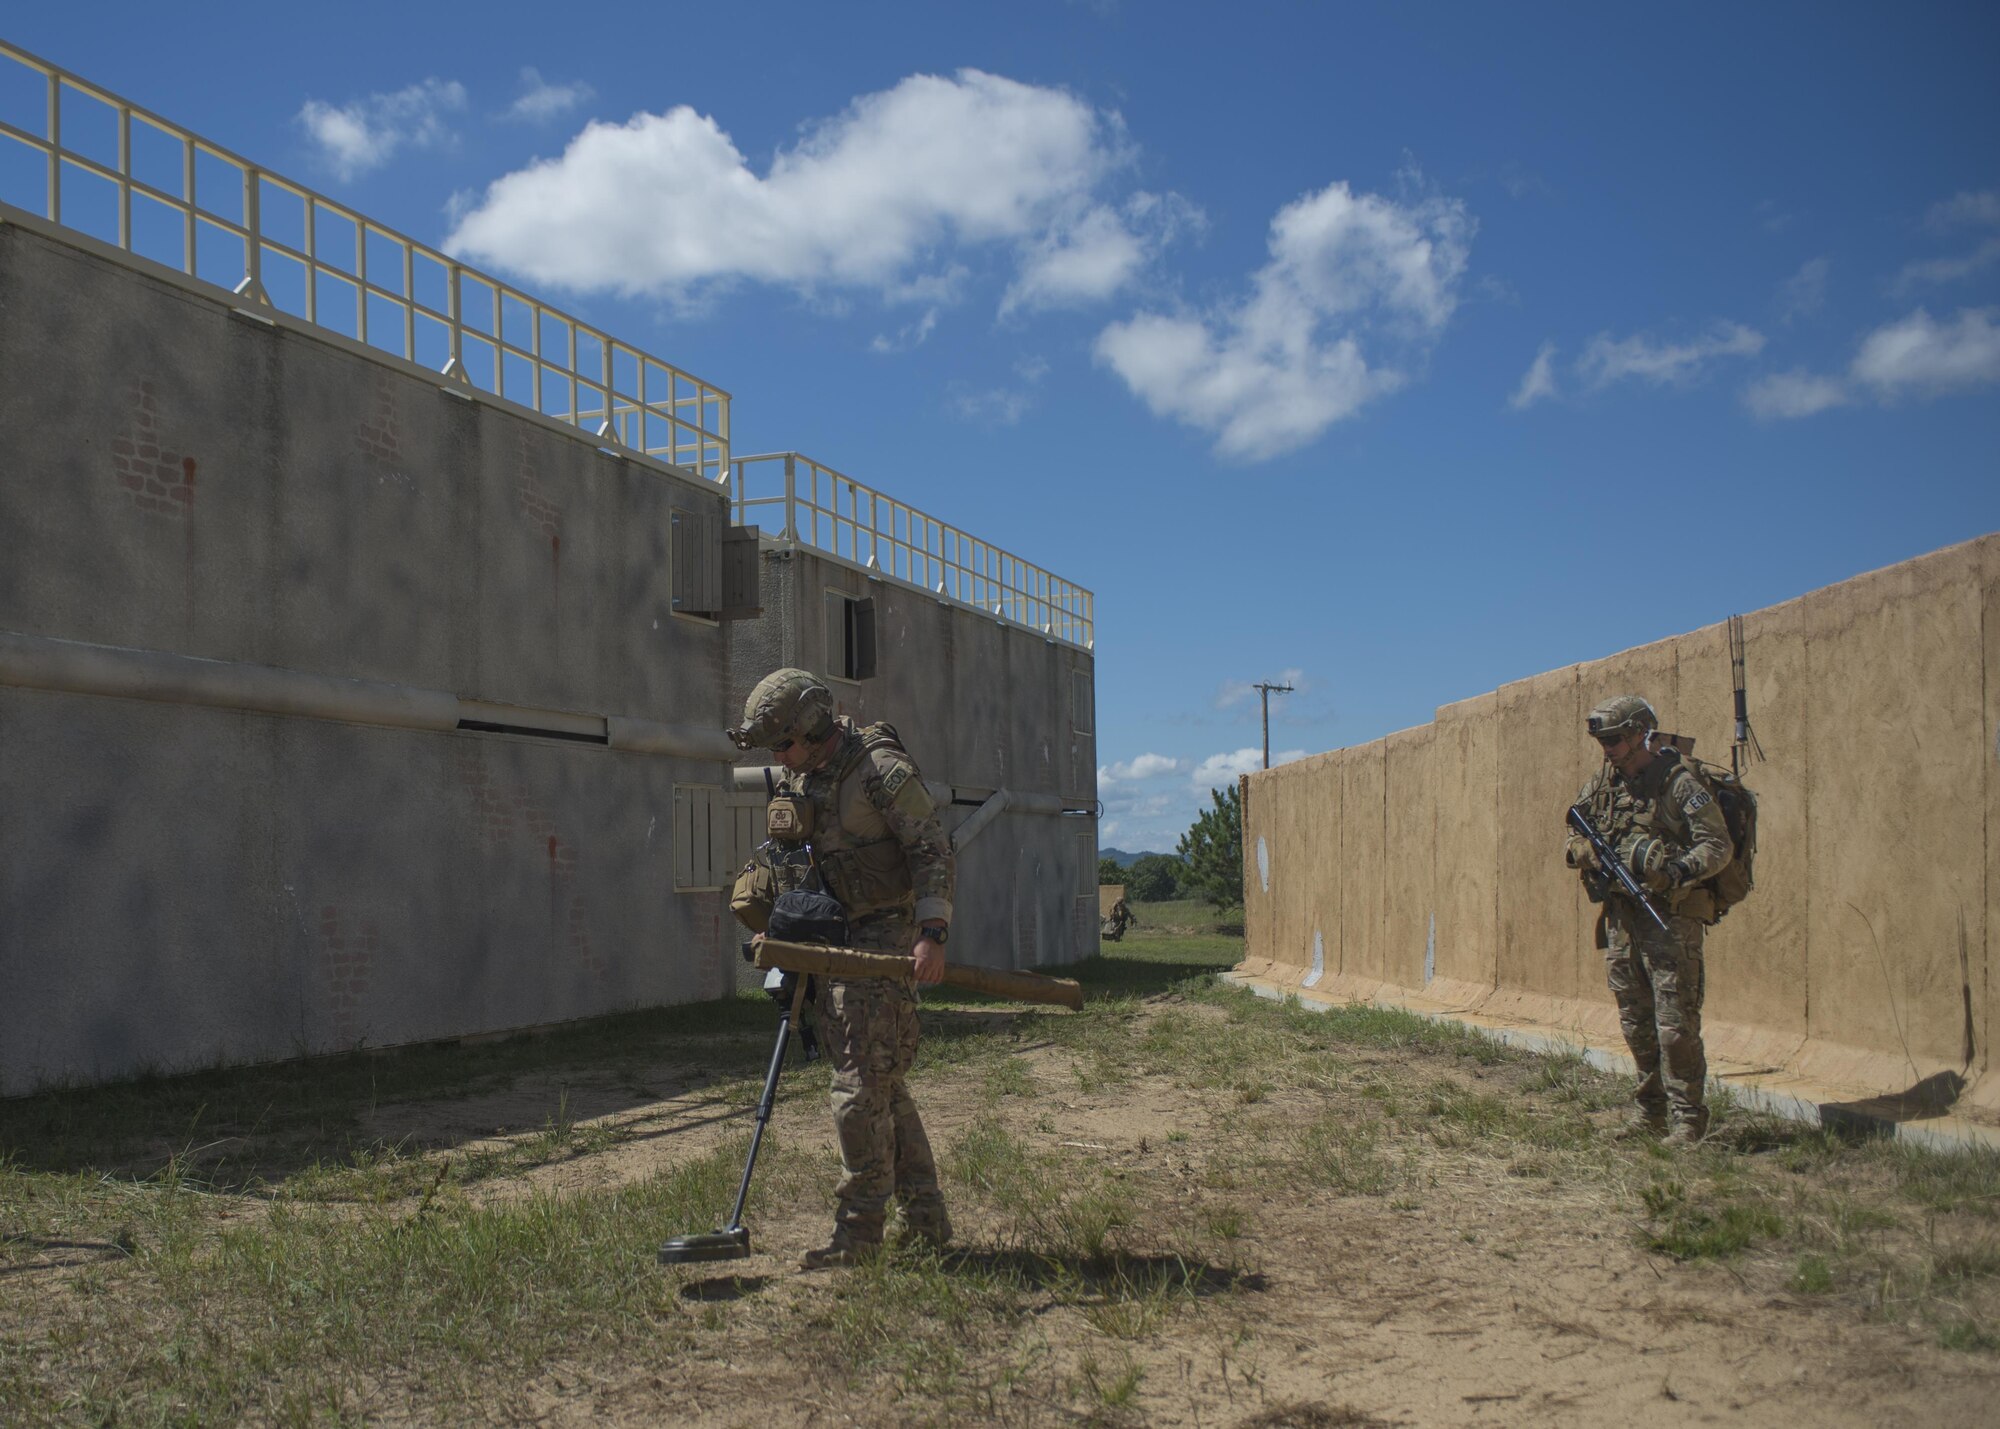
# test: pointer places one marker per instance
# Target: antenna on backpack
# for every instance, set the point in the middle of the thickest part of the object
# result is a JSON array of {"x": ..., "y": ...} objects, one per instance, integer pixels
[{"x": 1746, "y": 743}]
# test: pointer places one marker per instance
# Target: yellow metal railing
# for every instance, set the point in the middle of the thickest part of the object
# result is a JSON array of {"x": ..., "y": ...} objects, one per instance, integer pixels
[
  {"x": 129, "y": 178},
  {"x": 811, "y": 504}
]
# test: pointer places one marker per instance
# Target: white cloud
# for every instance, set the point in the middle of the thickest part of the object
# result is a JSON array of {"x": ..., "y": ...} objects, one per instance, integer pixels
[
  {"x": 1934, "y": 271},
  {"x": 909, "y": 336},
  {"x": 1219, "y": 769},
  {"x": 1794, "y": 394},
  {"x": 1089, "y": 259},
  {"x": 1965, "y": 210},
  {"x": 874, "y": 197},
  {"x": 1538, "y": 382},
  {"x": 1921, "y": 356},
  {"x": 1804, "y": 293},
  {"x": 540, "y": 101},
  {"x": 1913, "y": 356},
  {"x": 365, "y": 134},
  {"x": 1270, "y": 373},
  {"x": 1146, "y": 766},
  {"x": 1640, "y": 356}
]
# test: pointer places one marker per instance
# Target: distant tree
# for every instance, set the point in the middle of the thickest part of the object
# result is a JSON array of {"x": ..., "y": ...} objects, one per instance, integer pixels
[
  {"x": 1213, "y": 850},
  {"x": 1108, "y": 871},
  {"x": 1153, "y": 878}
]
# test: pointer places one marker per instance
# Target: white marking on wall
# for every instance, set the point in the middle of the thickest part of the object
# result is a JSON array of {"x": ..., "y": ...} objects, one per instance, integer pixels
[
  {"x": 1431, "y": 949},
  {"x": 1263, "y": 863},
  {"x": 1319, "y": 962}
]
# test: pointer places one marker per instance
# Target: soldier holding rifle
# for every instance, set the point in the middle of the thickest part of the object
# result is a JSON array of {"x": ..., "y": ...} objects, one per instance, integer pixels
[
  {"x": 1646, "y": 833},
  {"x": 851, "y": 817}
]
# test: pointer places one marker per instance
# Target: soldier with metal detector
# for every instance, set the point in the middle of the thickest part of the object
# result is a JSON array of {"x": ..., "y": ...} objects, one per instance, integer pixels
[
  {"x": 851, "y": 818},
  {"x": 1647, "y": 834}
]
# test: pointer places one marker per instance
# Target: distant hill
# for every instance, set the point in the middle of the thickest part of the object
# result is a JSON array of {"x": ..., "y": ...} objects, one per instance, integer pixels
[{"x": 1124, "y": 859}]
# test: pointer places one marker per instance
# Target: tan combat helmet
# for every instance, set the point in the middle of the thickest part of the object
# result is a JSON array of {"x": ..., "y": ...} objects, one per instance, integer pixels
[
  {"x": 786, "y": 705},
  {"x": 1620, "y": 714}
]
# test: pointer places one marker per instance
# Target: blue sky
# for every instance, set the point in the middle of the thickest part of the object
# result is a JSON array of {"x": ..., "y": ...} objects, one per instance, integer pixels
[{"x": 1398, "y": 350}]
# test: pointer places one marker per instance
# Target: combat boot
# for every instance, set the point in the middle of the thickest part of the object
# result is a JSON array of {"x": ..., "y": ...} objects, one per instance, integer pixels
[
  {"x": 1642, "y": 1124},
  {"x": 1689, "y": 1130},
  {"x": 842, "y": 1252},
  {"x": 925, "y": 1224}
]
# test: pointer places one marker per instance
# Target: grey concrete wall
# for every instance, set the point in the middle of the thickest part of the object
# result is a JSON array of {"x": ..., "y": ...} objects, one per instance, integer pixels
[
  {"x": 183, "y": 886},
  {"x": 982, "y": 705},
  {"x": 1864, "y": 959}
]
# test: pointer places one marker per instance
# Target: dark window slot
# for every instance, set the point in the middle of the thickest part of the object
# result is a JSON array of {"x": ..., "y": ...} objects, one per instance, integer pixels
[{"x": 489, "y": 727}]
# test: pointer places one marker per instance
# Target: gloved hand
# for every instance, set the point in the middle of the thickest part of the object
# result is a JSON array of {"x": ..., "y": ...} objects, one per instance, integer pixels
[{"x": 1582, "y": 856}]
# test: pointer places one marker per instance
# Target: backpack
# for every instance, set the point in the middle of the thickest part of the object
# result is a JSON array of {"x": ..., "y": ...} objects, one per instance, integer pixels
[{"x": 1739, "y": 811}]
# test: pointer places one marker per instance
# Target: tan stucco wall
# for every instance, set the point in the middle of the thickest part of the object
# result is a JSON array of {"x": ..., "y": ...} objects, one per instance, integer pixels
[{"x": 1429, "y": 863}]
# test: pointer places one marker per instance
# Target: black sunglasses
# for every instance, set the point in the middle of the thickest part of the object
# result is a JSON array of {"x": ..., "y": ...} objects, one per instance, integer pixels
[{"x": 782, "y": 745}]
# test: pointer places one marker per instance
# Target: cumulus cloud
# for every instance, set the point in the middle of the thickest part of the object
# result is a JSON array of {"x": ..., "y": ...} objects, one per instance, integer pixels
[
  {"x": 1146, "y": 766},
  {"x": 1804, "y": 293},
  {"x": 1642, "y": 357},
  {"x": 879, "y": 196},
  {"x": 1922, "y": 357},
  {"x": 1220, "y": 769},
  {"x": 1915, "y": 356},
  {"x": 1794, "y": 394},
  {"x": 1538, "y": 382},
  {"x": 1091, "y": 257},
  {"x": 540, "y": 101},
  {"x": 1271, "y": 372},
  {"x": 364, "y": 134},
  {"x": 1964, "y": 210}
]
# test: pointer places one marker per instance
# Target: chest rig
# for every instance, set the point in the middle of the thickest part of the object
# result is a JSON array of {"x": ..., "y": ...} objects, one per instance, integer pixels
[{"x": 830, "y": 821}]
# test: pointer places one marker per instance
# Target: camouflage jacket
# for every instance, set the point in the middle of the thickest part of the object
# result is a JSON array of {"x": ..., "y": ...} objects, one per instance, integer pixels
[
  {"x": 875, "y": 833},
  {"x": 1667, "y": 800}
]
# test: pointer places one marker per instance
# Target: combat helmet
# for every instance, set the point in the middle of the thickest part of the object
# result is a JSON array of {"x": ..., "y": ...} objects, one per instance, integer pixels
[
  {"x": 1620, "y": 715},
  {"x": 787, "y": 704}
]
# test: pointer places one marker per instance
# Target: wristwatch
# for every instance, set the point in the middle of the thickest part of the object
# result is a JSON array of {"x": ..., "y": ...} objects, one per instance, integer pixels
[{"x": 937, "y": 932}]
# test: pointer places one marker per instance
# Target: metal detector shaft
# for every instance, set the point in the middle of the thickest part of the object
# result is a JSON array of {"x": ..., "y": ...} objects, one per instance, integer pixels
[{"x": 763, "y": 1116}]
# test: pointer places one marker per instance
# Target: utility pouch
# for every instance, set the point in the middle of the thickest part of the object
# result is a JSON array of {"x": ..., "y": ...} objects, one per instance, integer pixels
[
  {"x": 788, "y": 818},
  {"x": 755, "y": 892},
  {"x": 868, "y": 877}
]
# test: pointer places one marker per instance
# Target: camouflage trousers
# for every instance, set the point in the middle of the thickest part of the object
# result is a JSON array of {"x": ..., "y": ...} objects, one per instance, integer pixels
[
  {"x": 1657, "y": 979},
  {"x": 869, "y": 1027}
]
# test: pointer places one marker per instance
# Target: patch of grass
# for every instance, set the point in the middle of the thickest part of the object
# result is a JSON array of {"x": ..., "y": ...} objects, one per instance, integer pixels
[
  {"x": 1957, "y": 1333},
  {"x": 1812, "y": 1275},
  {"x": 1008, "y": 1077},
  {"x": 1115, "y": 1386},
  {"x": 1343, "y": 1153},
  {"x": 1704, "y": 1227},
  {"x": 1967, "y": 1181}
]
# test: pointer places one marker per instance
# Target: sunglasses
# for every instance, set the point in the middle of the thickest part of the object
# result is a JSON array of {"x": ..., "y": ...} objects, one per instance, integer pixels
[{"x": 782, "y": 745}]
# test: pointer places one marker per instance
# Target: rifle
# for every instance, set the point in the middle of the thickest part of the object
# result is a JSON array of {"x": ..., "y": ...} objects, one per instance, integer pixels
[
  {"x": 1608, "y": 860},
  {"x": 846, "y": 962}
]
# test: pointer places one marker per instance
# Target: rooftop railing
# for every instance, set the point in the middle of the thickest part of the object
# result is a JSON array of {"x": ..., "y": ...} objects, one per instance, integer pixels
[
  {"x": 811, "y": 504},
  {"x": 77, "y": 155}
]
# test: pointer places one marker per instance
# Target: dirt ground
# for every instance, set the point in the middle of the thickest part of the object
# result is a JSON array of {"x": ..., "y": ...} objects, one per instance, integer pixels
[
  {"x": 1472, "y": 1286},
  {"x": 1483, "y": 1301}
]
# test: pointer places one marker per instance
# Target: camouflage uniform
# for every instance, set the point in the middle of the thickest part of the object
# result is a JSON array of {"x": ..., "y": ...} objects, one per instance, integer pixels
[
  {"x": 882, "y": 853},
  {"x": 1657, "y": 977},
  {"x": 873, "y": 841}
]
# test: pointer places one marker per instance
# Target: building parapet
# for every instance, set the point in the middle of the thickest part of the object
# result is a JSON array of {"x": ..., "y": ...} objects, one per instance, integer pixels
[
  {"x": 803, "y": 502},
  {"x": 153, "y": 190}
]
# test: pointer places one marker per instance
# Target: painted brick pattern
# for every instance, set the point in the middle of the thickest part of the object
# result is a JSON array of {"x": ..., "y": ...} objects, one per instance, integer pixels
[
  {"x": 156, "y": 478},
  {"x": 507, "y": 816},
  {"x": 348, "y": 953},
  {"x": 379, "y": 436},
  {"x": 536, "y": 505}
]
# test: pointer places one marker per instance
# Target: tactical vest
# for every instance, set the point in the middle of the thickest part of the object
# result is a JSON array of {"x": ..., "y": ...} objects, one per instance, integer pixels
[
  {"x": 1623, "y": 811},
  {"x": 859, "y": 858}
]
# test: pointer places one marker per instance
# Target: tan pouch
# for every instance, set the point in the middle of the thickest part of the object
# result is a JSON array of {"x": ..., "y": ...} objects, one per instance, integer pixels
[
  {"x": 755, "y": 892},
  {"x": 788, "y": 818}
]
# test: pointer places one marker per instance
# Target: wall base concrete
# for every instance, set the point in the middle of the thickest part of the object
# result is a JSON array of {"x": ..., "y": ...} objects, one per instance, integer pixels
[{"x": 1849, "y": 1109}]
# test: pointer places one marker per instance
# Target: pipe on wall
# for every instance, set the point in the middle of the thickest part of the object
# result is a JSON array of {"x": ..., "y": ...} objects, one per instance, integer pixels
[{"x": 40, "y": 662}]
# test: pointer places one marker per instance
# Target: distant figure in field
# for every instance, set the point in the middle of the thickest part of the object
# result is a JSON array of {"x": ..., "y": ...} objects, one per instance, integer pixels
[{"x": 1117, "y": 921}]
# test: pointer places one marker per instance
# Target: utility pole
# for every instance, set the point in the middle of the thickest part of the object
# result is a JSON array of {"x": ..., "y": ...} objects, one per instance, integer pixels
[{"x": 1264, "y": 689}]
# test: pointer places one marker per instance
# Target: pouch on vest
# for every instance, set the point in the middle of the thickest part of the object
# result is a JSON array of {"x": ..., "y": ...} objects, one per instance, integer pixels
[
  {"x": 802, "y": 916},
  {"x": 868, "y": 877},
  {"x": 755, "y": 892},
  {"x": 788, "y": 818}
]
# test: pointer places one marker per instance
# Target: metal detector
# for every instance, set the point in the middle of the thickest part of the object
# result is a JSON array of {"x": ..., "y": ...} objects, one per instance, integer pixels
[{"x": 732, "y": 1241}]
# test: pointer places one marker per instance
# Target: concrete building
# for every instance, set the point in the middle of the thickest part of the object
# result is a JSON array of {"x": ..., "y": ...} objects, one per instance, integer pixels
[{"x": 368, "y": 628}]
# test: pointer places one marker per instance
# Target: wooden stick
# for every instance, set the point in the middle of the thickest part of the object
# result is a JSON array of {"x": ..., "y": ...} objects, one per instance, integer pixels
[{"x": 846, "y": 962}]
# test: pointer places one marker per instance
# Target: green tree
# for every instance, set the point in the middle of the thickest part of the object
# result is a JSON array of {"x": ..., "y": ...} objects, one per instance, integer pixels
[
  {"x": 1153, "y": 878},
  {"x": 1108, "y": 871},
  {"x": 1213, "y": 850}
]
